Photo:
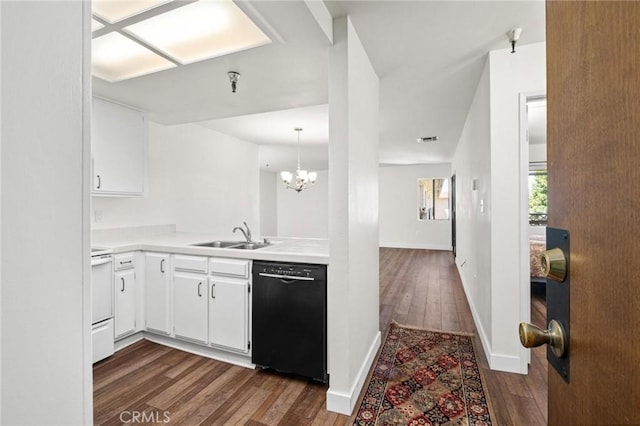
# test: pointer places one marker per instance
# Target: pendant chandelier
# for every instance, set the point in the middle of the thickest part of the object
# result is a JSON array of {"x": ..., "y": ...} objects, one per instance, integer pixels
[{"x": 303, "y": 179}]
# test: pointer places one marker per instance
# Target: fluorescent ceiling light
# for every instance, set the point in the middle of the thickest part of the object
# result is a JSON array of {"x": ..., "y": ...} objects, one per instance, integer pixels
[
  {"x": 95, "y": 25},
  {"x": 200, "y": 30},
  {"x": 116, "y": 58},
  {"x": 116, "y": 10}
]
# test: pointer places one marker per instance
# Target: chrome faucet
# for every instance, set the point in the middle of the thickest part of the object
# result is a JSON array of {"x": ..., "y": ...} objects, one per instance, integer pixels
[{"x": 247, "y": 233}]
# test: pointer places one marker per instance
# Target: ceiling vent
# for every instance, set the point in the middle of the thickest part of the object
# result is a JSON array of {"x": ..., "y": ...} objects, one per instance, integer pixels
[{"x": 427, "y": 139}]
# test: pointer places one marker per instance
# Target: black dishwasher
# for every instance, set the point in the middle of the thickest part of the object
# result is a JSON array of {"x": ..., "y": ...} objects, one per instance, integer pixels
[{"x": 289, "y": 318}]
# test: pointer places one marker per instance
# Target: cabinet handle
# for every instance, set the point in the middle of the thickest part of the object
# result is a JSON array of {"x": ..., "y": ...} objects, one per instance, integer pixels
[
  {"x": 99, "y": 182},
  {"x": 199, "y": 293},
  {"x": 213, "y": 294},
  {"x": 122, "y": 289},
  {"x": 162, "y": 266},
  {"x": 123, "y": 263}
]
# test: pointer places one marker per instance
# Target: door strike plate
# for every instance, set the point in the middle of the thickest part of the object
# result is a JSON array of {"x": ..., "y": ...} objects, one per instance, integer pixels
[{"x": 558, "y": 290}]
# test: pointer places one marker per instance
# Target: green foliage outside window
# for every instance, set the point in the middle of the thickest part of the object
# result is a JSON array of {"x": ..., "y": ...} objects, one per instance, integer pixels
[{"x": 538, "y": 196}]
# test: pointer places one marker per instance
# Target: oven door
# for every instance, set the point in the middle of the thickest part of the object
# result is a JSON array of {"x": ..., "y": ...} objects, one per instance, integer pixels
[{"x": 101, "y": 288}]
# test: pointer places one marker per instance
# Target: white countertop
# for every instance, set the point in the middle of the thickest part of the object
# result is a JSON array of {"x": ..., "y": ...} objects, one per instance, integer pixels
[{"x": 301, "y": 250}]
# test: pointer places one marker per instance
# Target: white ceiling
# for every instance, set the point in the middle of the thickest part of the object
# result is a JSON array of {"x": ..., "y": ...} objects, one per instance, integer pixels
[{"x": 427, "y": 54}]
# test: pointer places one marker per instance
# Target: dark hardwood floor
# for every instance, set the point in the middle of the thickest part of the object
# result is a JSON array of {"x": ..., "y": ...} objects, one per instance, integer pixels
[{"x": 417, "y": 287}]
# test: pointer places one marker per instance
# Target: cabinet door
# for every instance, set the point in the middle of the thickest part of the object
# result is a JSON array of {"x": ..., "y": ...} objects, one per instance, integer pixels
[
  {"x": 229, "y": 313},
  {"x": 157, "y": 292},
  {"x": 118, "y": 141},
  {"x": 125, "y": 302},
  {"x": 190, "y": 306}
]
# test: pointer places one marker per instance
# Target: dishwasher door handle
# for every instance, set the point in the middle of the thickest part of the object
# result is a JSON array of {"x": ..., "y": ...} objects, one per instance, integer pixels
[{"x": 286, "y": 277}]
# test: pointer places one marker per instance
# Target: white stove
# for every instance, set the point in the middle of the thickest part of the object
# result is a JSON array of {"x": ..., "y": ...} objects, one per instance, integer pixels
[{"x": 101, "y": 302}]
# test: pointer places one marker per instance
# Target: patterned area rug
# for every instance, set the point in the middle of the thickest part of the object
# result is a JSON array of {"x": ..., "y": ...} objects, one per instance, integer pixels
[{"x": 425, "y": 377}]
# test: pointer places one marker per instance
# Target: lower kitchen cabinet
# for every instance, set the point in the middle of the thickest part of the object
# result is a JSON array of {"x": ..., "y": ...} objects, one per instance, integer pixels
[
  {"x": 157, "y": 292},
  {"x": 229, "y": 313},
  {"x": 125, "y": 302},
  {"x": 190, "y": 293}
]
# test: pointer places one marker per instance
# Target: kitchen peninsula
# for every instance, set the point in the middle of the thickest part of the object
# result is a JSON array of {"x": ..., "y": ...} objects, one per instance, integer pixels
[
  {"x": 171, "y": 290},
  {"x": 305, "y": 250}
]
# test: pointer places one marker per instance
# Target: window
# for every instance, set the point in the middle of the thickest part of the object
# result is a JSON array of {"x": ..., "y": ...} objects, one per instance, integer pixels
[
  {"x": 538, "y": 194},
  {"x": 433, "y": 199}
]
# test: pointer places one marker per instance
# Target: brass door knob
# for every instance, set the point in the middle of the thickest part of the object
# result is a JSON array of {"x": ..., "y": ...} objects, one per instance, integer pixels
[
  {"x": 532, "y": 336},
  {"x": 554, "y": 264}
]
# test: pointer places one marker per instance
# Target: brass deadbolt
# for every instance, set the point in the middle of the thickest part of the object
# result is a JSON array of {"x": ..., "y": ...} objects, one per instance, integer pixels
[
  {"x": 554, "y": 264},
  {"x": 532, "y": 336}
]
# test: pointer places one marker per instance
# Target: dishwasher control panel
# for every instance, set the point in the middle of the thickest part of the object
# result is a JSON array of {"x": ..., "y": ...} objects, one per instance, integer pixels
[{"x": 289, "y": 270}]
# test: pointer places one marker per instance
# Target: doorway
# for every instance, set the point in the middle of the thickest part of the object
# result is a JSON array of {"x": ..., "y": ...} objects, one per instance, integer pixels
[
  {"x": 533, "y": 206},
  {"x": 453, "y": 214}
]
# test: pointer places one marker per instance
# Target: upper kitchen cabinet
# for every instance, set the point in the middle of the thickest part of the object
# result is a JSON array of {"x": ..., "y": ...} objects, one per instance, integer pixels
[{"x": 119, "y": 145}]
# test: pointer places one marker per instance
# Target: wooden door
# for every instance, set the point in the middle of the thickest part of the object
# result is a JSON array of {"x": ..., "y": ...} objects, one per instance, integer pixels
[{"x": 593, "y": 82}]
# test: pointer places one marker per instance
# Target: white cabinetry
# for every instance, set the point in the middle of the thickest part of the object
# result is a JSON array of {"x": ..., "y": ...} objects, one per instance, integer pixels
[
  {"x": 229, "y": 303},
  {"x": 157, "y": 292},
  {"x": 190, "y": 294},
  {"x": 190, "y": 306},
  {"x": 228, "y": 313},
  {"x": 125, "y": 294},
  {"x": 118, "y": 143}
]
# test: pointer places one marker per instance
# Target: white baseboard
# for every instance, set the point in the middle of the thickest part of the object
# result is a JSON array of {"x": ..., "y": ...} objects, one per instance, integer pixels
[
  {"x": 343, "y": 402},
  {"x": 507, "y": 363},
  {"x": 425, "y": 246},
  {"x": 242, "y": 360},
  {"x": 126, "y": 341}
]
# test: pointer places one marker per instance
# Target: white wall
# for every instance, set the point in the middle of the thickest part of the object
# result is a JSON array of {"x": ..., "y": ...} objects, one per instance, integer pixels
[
  {"x": 306, "y": 213},
  {"x": 399, "y": 224},
  {"x": 511, "y": 74},
  {"x": 489, "y": 243},
  {"x": 538, "y": 152},
  {"x": 199, "y": 179},
  {"x": 353, "y": 281},
  {"x": 268, "y": 203},
  {"x": 473, "y": 237},
  {"x": 45, "y": 304}
]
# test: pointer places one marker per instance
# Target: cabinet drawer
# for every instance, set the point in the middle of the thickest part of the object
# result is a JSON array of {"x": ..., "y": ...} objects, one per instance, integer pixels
[
  {"x": 190, "y": 263},
  {"x": 229, "y": 267},
  {"x": 102, "y": 340},
  {"x": 124, "y": 261}
]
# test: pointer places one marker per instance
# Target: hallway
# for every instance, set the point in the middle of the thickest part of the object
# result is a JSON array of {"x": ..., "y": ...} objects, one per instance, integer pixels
[{"x": 423, "y": 288}]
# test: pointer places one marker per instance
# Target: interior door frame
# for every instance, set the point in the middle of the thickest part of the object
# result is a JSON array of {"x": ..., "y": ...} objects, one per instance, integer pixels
[
  {"x": 525, "y": 276},
  {"x": 453, "y": 214}
]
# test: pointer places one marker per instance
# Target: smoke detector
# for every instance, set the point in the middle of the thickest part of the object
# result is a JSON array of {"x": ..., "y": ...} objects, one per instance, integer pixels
[{"x": 427, "y": 139}]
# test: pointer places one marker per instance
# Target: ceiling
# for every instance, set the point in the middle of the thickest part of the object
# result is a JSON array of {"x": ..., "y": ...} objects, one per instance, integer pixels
[{"x": 428, "y": 55}]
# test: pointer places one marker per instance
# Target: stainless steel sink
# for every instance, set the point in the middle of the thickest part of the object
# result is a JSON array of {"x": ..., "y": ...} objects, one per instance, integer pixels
[
  {"x": 232, "y": 245},
  {"x": 249, "y": 246},
  {"x": 219, "y": 244}
]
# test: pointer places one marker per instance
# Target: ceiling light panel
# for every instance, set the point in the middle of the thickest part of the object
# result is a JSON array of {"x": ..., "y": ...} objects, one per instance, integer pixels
[
  {"x": 116, "y": 10},
  {"x": 198, "y": 31},
  {"x": 95, "y": 25},
  {"x": 115, "y": 58}
]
